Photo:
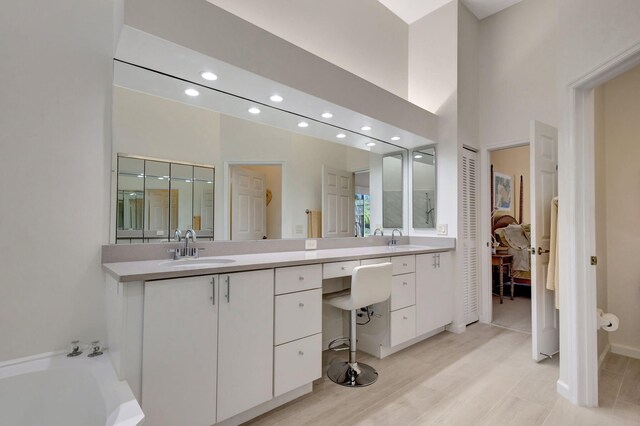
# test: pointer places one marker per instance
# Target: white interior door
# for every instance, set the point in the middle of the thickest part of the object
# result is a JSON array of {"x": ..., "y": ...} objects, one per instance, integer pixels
[
  {"x": 248, "y": 204},
  {"x": 544, "y": 186},
  {"x": 338, "y": 206},
  {"x": 470, "y": 235},
  {"x": 206, "y": 211}
]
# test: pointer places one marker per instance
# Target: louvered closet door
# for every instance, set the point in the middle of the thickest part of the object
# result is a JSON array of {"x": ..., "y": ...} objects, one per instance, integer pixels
[{"x": 470, "y": 235}]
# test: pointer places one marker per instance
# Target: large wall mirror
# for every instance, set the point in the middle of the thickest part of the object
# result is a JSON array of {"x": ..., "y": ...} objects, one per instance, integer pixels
[
  {"x": 424, "y": 187},
  {"x": 276, "y": 173}
]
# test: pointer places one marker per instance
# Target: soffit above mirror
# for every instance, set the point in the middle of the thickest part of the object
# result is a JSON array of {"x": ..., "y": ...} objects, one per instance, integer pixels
[{"x": 144, "y": 50}]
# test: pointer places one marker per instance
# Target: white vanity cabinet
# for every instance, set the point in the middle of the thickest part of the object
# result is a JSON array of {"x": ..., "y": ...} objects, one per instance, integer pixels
[
  {"x": 245, "y": 341},
  {"x": 434, "y": 291},
  {"x": 180, "y": 343},
  {"x": 298, "y": 327},
  {"x": 208, "y": 347}
]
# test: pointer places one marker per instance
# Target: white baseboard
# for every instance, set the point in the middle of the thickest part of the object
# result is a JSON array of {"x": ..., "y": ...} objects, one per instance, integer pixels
[
  {"x": 625, "y": 350},
  {"x": 456, "y": 328},
  {"x": 603, "y": 355},
  {"x": 563, "y": 390}
]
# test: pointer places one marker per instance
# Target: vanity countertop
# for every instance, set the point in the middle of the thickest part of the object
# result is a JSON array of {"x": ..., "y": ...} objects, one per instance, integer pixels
[{"x": 165, "y": 268}]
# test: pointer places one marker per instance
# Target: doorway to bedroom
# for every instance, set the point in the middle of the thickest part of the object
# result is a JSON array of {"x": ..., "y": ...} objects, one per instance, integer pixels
[{"x": 511, "y": 237}]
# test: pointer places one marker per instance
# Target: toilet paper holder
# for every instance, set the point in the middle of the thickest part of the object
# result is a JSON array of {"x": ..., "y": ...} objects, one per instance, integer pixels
[{"x": 607, "y": 321}]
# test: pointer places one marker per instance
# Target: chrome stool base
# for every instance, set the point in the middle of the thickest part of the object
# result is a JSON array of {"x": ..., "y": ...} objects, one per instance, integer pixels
[{"x": 352, "y": 375}]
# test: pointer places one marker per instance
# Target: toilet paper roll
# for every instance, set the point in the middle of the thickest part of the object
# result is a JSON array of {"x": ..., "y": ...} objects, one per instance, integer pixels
[{"x": 610, "y": 322}]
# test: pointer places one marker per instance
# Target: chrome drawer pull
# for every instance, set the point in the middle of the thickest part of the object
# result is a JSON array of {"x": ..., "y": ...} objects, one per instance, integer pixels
[
  {"x": 404, "y": 264},
  {"x": 404, "y": 318},
  {"x": 301, "y": 278},
  {"x": 301, "y": 305},
  {"x": 404, "y": 283},
  {"x": 300, "y": 353},
  {"x": 344, "y": 268}
]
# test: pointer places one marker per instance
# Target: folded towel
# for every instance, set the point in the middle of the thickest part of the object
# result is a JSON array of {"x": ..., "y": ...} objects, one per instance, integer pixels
[{"x": 314, "y": 224}]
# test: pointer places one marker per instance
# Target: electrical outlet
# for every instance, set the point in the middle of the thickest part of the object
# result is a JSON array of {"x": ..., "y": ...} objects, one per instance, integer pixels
[
  {"x": 310, "y": 244},
  {"x": 442, "y": 229}
]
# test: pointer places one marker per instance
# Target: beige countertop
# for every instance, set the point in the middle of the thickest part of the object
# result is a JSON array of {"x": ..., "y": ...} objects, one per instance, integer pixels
[{"x": 166, "y": 268}]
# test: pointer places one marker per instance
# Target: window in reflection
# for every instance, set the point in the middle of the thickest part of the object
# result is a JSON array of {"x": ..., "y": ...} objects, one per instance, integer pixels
[{"x": 154, "y": 198}]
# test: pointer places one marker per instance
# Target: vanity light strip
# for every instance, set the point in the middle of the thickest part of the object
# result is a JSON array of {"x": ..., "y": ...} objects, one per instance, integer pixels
[{"x": 256, "y": 102}]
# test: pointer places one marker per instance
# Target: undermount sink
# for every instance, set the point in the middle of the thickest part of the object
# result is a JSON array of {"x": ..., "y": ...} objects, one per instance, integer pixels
[{"x": 198, "y": 262}]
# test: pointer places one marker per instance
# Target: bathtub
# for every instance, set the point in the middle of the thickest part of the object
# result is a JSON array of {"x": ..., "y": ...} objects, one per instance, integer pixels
[{"x": 57, "y": 390}]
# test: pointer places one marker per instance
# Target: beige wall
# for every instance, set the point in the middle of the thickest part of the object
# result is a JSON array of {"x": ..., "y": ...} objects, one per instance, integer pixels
[
  {"x": 622, "y": 200},
  {"x": 517, "y": 64},
  {"x": 361, "y": 36},
  {"x": 55, "y": 113},
  {"x": 514, "y": 162}
]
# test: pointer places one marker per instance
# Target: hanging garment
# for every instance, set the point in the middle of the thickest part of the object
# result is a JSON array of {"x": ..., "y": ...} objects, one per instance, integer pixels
[{"x": 552, "y": 272}]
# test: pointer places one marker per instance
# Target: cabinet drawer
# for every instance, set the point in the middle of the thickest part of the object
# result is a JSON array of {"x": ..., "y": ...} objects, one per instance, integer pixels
[
  {"x": 298, "y": 315},
  {"x": 403, "y": 291},
  {"x": 403, "y": 325},
  {"x": 298, "y": 278},
  {"x": 339, "y": 269},
  {"x": 403, "y": 264},
  {"x": 375, "y": 261},
  {"x": 297, "y": 363}
]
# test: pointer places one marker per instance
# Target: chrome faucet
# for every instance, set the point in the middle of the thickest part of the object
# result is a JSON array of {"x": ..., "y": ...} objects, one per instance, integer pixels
[
  {"x": 178, "y": 235},
  {"x": 393, "y": 240},
  {"x": 376, "y": 232},
  {"x": 186, "y": 251},
  {"x": 190, "y": 233}
]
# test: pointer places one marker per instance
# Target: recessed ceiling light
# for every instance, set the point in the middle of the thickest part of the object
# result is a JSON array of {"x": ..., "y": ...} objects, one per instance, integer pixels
[
  {"x": 371, "y": 144},
  {"x": 160, "y": 178},
  {"x": 191, "y": 92},
  {"x": 365, "y": 128},
  {"x": 417, "y": 156},
  {"x": 327, "y": 115},
  {"x": 276, "y": 98},
  {"x": 208, "y": 75},
  {"x": 395, "y": 138},
  {"x": 341, "y": 136},
  {"x": 254, "y": 110},
  {"x": 303, "y": 124}
]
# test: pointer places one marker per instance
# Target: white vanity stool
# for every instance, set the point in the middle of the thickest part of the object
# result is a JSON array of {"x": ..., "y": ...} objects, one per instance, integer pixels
[{"x": 369, "y": 284}]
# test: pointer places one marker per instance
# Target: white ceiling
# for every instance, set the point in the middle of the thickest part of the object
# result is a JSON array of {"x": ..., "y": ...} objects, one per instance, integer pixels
[{"x": 412, "y": 10}]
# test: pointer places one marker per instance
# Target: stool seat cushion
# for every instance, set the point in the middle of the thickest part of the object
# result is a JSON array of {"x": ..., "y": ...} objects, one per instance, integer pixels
[{"x": 340, "y": 300}]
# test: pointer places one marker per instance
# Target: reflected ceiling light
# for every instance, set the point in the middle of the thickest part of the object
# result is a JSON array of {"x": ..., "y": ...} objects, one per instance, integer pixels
[
  {"x": 365, "y": 128},
  {"x": 208, "y": 75},
  {"x": 254, "y": 110},
  {"x": 188, "y": 181},
  {"x": 276, "y": 98},
  {"x": 209, "y": 182},
  {"x": 303, "y": 124},
  {"x": 395, "y": 138},
  {"x": 160, "y": 178},
  {"x": 191, "y": 92},
  {"x": 140, "y": 175},
  {"x": 327, "y": 115},
  {"x": 133, "y": 193},
  {"x": 341, "y": 136},
  {"x": 371, "y": 144},
  {"x": 417, "y": 156}
]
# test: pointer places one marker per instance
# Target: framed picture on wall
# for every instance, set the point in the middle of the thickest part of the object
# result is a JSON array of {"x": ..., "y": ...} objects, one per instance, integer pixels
[{"x": 502, "y": 192}]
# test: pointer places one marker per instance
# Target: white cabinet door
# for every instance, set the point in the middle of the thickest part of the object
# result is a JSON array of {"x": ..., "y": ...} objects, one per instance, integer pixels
[
  {"x": 245, "y": 341},
  {"x": 434, "y": 291},
  {"x": 179, "y": 357}
]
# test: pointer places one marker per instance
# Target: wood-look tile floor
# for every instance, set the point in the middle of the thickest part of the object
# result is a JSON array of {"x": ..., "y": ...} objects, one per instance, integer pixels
[
  {"x": 484, "y": 376},
  {"x": 514, "y": 314}
]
